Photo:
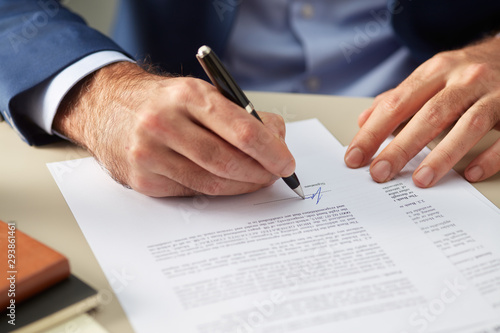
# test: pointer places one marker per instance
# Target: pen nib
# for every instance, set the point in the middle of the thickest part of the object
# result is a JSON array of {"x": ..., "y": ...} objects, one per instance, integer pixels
[{"x": 299, "y": 191}]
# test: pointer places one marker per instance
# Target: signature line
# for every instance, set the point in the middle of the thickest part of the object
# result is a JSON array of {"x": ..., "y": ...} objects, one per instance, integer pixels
[{"x": 318, "y": 195}]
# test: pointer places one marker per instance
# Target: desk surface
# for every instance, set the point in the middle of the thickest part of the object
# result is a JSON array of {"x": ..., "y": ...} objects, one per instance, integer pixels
[{"x": 30, "y": 197}]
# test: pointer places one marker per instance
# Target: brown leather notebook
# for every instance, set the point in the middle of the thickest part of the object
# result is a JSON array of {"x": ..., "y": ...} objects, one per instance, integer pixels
[{"x": 27, "y": 266}]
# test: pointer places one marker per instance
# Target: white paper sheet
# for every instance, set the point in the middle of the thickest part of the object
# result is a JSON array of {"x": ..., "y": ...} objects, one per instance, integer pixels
[{"x": 355, "y": 256}]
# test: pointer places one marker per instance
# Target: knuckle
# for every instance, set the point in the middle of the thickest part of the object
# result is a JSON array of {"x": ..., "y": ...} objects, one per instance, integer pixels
[
  {"x": 434, "y": 116},
  {"x": 223, "y": 165},
  {"x": 149, "y": 120},
  {"x": 266, "y": 136},
  {"x": 439, "y": 63},
  {"x": 228, "y": 167},
  {"x": 455, "y": 98},
  {"x": 402, "y": 153},
  {"x": 370, "y": 136},
  {"x": 153, "y": 122},
  {"x": 182, "y": 91},
  {"x": 441, "y": 60},
  {"x": 136, "y": 155},
  {"x": 391, "y": 104},
  {"x": 445, "y": 157},
  {"x": 275, "y": 121},
  {"x": 140, "y": 184},
  {"x": 381, "y": 96},
  {"x": 183, "y": 87},
  {"x": 246, "y": 134},
  {"x": 416, "y": 82},
  {"x": 476, "y": 72},
  {"x": 496, "y": 158},
  {"x": 210, "y": 109},
  {"x": 213, "y": 187},
  {"x": 479, "y": 122},
  {"x": 274, "y": 118}
]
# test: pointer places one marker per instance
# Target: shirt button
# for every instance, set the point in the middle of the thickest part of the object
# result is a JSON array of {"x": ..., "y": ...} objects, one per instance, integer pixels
[
  {"x": 307, "y": 11},
  {"x": 313, "y": 83}
]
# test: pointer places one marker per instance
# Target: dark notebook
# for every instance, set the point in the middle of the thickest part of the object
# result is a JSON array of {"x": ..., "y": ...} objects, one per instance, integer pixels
[{"x": 56, "y": 304}]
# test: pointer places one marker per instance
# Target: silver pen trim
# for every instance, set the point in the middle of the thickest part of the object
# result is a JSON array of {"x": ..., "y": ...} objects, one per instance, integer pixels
[
  {"x": 249, "y": 108},
  {"x": 203, "y": 51}
]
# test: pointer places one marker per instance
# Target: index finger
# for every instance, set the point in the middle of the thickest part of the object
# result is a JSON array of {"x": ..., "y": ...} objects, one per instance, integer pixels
[
  {"x": 245, "y": 132},
  {"x": 396, "y": 106}
]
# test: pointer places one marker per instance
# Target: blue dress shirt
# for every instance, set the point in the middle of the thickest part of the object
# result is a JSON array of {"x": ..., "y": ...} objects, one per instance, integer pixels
[{"x": 340, "y": 47}]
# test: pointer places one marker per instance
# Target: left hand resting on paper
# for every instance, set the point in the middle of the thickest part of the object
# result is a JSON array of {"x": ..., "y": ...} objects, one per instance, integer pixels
[{"x": 459, "y": 88}]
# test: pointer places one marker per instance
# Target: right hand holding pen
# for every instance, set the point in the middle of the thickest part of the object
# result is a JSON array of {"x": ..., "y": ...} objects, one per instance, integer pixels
[{"x": 173, "y": 136}]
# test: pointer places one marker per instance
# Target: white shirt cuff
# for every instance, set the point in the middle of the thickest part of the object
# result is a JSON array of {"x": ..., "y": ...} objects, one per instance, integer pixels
[{"x": 45, "y": 99}]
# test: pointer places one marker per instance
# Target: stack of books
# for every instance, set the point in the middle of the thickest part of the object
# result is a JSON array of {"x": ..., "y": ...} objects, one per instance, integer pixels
[{"x": 37, "y": 289}]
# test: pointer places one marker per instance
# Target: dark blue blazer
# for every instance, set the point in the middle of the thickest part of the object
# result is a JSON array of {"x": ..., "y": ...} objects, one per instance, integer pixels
[{"x": 39, "y": 38}]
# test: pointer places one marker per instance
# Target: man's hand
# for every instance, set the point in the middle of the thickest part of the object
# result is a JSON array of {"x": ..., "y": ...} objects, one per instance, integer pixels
[
  {"x": 458, "y": 87},
  {"x": 173, "y": 136}
]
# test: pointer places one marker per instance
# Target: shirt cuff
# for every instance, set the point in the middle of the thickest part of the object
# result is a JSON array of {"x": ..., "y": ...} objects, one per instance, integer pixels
[{"x": 44, "y": 101}]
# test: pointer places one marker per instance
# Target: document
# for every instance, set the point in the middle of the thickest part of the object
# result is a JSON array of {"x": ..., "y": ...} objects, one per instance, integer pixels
[{"x": 354, "y": 256}]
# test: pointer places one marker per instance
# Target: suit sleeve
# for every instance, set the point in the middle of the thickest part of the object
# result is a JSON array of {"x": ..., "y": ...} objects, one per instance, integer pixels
[{"x": 39, "y": 38}]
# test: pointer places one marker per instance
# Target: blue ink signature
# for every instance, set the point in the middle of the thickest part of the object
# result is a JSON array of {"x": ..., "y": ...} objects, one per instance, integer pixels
[{"x": 317, "y": 195}]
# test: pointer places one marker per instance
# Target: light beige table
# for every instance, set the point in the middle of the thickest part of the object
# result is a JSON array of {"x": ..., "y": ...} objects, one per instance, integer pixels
[{"x": 30, "y": 197}]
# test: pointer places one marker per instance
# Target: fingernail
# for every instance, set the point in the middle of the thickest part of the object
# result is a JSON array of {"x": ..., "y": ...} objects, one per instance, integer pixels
[
  {"x": 354, "y": 158},
  {"x": 289, "y": 169},
  {"x": 424, "y": 176},
  {"x": 381, "y": 171},
  {"x": 475, "y": 173}
]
